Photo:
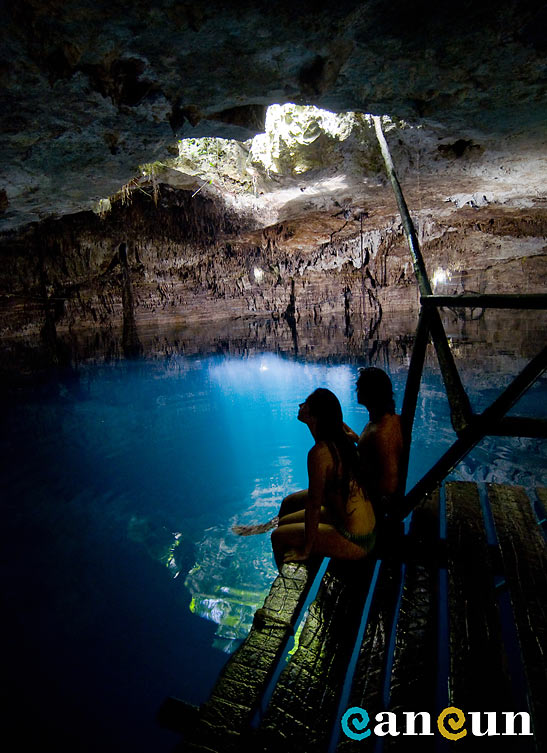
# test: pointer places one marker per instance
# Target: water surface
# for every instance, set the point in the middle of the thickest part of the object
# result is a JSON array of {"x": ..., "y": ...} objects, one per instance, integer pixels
[{"x": 122, "y": 579}]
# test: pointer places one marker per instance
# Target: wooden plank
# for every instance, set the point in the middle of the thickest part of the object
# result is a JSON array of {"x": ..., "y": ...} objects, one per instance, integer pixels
[
  {"x": 300, "y": 715},
  {"x": 415, "y": 655},
  {"x": 414, "y": 672},
  {"x": 478, "y": 663},
  {"x": 525, "y": 563},
  {"x": 227, "y": 713},
  {"x": 518, "y": 426},
  {"x": 484, "y": 300}
]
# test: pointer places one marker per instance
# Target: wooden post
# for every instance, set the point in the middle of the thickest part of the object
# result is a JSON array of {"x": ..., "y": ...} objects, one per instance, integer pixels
[
  {"x": 412, "y": 388},
  {"x": 481, "y": 425},
  {"x": 460, "y": 408}
]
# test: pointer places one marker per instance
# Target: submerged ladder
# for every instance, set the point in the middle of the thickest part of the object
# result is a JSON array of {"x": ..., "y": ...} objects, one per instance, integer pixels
[{"x": 452, "y": 613}]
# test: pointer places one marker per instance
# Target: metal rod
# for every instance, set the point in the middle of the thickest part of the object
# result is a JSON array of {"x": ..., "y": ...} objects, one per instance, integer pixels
[
  {"x": 479, "y": 428},
  {"x": 510, "y": 301},
  {"x": 416, "y": 254},
  {"x": 460, "y": 408},
  {"x": 412, "y": 389},
  {"x": 520, "y": 426}
]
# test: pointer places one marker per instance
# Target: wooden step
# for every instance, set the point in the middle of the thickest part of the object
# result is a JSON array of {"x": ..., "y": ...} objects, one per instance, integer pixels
[
  {"x": 301, "y": 713},
  {"x": 238, "y": 690},
  {"x": 524, "y": 559}
]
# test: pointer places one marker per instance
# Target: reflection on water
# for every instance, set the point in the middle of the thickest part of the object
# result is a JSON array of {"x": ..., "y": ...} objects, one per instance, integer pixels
[
  {"x": 121, "y": 485},
  {"x": 230, "y": 607}
]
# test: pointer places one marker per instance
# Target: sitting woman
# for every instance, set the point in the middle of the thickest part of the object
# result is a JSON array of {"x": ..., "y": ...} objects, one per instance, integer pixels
[{"x": 337, "y": 519}]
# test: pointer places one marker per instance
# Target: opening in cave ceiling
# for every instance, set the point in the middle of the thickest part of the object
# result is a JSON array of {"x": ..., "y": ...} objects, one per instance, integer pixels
[
  {"x": 310, "y": 160},
  {"x": 304, "y": 150}
]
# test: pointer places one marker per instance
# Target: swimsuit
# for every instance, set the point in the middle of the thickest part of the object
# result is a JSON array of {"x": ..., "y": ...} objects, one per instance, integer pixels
[{"x": 364, "y": 540}]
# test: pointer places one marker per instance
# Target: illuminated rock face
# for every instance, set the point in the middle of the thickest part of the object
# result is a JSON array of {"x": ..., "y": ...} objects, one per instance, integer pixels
[
  {"x": 187, "y": 261},
  {"x": 92, "y": 90}
]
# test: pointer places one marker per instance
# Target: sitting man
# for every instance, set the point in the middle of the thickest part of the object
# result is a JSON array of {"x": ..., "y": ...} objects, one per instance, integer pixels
[{"x": 380, "y": 445}]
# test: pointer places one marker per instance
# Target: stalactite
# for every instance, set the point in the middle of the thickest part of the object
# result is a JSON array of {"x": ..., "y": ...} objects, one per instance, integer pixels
[
  {"x": 130, "y": 339},
  {"x": 188, "y": 258}
]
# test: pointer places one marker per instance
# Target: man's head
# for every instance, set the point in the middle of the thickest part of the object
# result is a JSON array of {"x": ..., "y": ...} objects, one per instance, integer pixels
[{"x": 375, "y": 391}]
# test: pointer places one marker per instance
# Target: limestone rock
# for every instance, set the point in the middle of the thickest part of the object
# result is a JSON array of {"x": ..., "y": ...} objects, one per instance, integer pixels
[{"x": 92, "y": 90}]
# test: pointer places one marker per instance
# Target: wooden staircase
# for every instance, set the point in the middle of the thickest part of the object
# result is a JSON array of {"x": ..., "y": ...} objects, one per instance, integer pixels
[{"x": 452, "y": 612}]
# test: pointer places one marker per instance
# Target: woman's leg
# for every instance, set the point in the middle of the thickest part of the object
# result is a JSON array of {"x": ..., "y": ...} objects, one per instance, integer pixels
[
  {"x": 328, "y": 542},
  {"x": 291, "y": 504},
  {"x": 300, "y": 517}
]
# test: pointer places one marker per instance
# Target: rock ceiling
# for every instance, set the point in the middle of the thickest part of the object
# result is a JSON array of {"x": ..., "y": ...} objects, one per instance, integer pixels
[{"x": 92, "y": 90}]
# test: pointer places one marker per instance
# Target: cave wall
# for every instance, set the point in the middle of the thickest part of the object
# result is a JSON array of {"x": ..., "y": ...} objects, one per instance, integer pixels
[
  {"x": 188, "y": 261},
  {"x": 92, "y": 90}
]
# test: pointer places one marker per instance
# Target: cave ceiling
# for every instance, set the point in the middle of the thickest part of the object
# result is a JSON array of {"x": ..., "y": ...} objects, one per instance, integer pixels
[{"x": 93, "y": 90}]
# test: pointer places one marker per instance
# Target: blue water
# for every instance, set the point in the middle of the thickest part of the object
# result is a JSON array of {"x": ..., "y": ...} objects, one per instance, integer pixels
[{"x": 122, "y": 581}]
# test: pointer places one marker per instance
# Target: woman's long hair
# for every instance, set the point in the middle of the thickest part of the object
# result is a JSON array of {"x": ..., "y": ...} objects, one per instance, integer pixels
[{"x": 326, "y": 409}]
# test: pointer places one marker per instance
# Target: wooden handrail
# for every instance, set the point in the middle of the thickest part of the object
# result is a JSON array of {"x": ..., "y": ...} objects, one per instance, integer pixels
[
  {"x": 460, "y": 408},
  {"x": 469, "y": 427},
  {"x": 479, "y": 300}
]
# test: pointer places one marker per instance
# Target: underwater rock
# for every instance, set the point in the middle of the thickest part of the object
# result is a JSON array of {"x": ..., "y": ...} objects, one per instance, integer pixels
[{"x": 231, "y": 579}]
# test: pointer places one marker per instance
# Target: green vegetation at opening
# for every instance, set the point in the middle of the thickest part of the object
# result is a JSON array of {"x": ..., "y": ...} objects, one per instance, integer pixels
[{"x": 298, "y": 140}]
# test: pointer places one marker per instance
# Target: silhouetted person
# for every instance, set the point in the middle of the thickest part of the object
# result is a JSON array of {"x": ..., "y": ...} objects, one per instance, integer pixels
[
  {"x": 337, "y": 519},
  {"x": 380, "y": 445}
]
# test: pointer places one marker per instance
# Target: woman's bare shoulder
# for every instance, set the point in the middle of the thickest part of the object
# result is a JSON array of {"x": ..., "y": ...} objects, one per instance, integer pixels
[
  {"x": 320, "y": 448},
  {"x": 320, "y": 453}
]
